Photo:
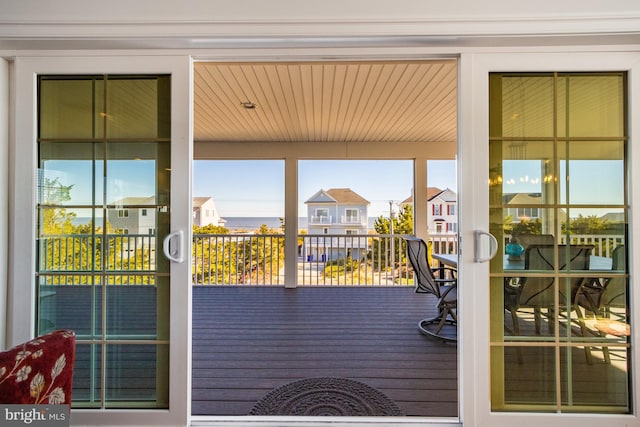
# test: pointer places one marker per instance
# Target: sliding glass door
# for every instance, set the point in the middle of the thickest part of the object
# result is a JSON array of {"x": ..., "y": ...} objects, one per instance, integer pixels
[
  {"x": 552, "y": 309},
  {"x": 559, "y": 208},
  {"x": 110, "y": 234},
  {"x": 103, "y": 210}
]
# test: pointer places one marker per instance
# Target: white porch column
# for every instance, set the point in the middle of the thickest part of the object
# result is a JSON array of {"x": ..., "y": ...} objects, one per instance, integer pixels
[
  {"x": 291, "y": 222},
  {"x": 420, "y": 183}
]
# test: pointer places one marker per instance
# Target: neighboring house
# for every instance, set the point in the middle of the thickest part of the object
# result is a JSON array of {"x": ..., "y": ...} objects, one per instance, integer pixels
[
  {"x": 524, "y": 212},
  {"x": 130, "y": 216},
  {"x": 529, "y": 207},
  {"x": 334, "y": 212},
  {"x": 442, "y": 213},
  {"x": 614, "y": 217},
  {"x": 205, "y": 212},
  {"x": 442, "y": 210}
]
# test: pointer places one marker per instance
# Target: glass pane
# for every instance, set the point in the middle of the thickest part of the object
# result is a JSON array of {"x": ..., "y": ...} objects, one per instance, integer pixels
[
  {"x": 602, "y": 228},
  {"x": 600, "y": 385},
  {"x": 524, "y": 386},
  {"x": 132, "y": 304},
  {"x": 86, "y": 376},
  {"x": 135, "y": 376},
  {"x": 131, "y": 177},
  {"x": 71, "y": 173},
  {"x": 502, "y": 326},
  {"x": 605, "y": 297},
  {"x": 526, "y": 106},
  {"x": 131, "y": 252},
  {"x": 68, "y": 242},
  {"x": 527, "y": 172},
  {"x": 517, "y": 227},
  {"x": 77, "y": 305},
  {"x": 67, "y": 107},
  {"x": 530, "y": 302},
  {"x": 132, "y": 108},
  {"x": 527, "y": 225},
  {"x": 591, "y": 105},
  {"x": 594, "y": 173}
]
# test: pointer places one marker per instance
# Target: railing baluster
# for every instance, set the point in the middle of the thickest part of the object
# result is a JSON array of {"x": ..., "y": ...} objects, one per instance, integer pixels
[{"x": 210, "y": 268}]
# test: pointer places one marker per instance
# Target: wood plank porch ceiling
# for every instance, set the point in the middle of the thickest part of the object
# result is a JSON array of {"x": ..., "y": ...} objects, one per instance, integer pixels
[{"x": 411, "y": 101}]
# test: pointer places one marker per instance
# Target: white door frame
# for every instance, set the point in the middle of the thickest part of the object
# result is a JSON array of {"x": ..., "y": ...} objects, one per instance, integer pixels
[
  {"x": 474, "y": 215},
  {"x": 4, "y": 189},
  {"x": 21, "y": 299}
]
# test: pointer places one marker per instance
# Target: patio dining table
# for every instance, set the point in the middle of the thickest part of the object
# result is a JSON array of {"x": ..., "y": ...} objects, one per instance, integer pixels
[{"x": 596, "y": 263}]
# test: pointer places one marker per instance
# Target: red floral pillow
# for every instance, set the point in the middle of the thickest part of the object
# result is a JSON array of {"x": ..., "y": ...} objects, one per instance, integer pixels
[{"x": 39, "y": 371}]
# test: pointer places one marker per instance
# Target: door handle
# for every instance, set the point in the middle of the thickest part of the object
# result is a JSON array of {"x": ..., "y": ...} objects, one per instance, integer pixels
[
  {"x": 493, "y": 245},
  {"x": 174, "y": 252}
]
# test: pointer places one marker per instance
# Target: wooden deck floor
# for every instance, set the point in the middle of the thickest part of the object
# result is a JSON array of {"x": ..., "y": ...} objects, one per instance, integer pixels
[{"x": 249, "y": 340}]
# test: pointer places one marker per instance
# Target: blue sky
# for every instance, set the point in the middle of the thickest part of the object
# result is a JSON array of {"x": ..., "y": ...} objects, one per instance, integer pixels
[
  {"x": 127, "y": 178},
  {"x": 256, "y": 188},
  {"x": 591, "y": 182}
]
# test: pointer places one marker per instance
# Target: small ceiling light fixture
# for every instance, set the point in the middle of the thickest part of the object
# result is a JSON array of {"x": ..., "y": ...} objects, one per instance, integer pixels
[{"x": 248, "y": 105}]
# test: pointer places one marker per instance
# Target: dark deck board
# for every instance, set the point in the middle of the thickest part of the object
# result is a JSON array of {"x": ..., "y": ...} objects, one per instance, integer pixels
[{"x": 249, "y": 340}]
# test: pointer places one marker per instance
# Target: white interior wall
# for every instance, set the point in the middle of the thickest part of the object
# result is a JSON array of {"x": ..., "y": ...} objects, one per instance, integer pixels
[
  {"x": 194, "y": 24},
  {"x": 340, "y": 10}
]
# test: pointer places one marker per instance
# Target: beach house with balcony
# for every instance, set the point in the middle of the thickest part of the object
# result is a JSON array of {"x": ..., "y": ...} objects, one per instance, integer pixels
[{"x": 332, "y": 213}]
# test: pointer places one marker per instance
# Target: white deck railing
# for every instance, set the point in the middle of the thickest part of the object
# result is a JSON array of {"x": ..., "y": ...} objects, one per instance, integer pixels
[
  {"x": 70, "y": 259},
  {"x": 603, "y": 244},
  {"x": 444, "y": 243},
  {"x": 355, "y": 260},
  {"x": 323, "y": 260},
  {"x": 255, "y": 259},
  {"x": 236, "y": 259},
  {"x": 230, "y": 259}
]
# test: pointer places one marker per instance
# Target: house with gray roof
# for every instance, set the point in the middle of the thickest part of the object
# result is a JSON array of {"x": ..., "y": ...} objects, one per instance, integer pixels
[
  {"x": 137, "y": 215},
  {"x": 333, "y": 213},
  {"x": 205, "y": 212}
]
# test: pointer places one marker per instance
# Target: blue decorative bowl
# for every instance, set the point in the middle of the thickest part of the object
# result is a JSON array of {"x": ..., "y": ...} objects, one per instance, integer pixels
[{"x": 514, "y": 250}]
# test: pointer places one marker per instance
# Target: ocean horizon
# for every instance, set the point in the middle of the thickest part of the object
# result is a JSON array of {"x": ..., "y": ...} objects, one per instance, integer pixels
[
  {"x": 234, "y": 223},
  {"x": 254, "y": 223}
]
